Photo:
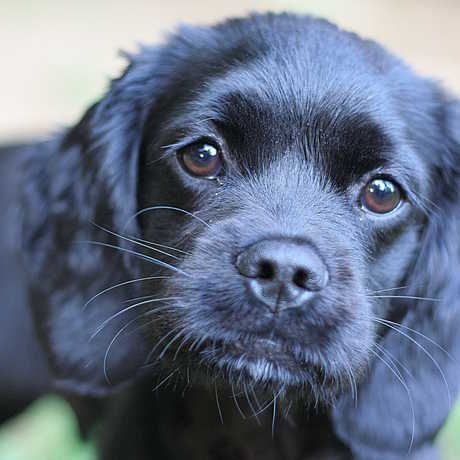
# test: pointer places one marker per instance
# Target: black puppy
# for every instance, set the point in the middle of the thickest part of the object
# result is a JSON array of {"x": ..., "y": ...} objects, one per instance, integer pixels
[{"x": 260, "y": 221}]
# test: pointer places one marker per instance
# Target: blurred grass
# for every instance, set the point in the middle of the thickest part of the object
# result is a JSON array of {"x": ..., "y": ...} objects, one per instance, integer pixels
[
  {"x": 48, "y": 430},
  {"x": 449, "y": 438}
]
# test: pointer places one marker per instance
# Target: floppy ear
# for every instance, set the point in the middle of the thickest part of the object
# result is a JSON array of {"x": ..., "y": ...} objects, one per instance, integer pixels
[
  {"x": 397, "y": 411},
  {"x": 88, "y": 174}
]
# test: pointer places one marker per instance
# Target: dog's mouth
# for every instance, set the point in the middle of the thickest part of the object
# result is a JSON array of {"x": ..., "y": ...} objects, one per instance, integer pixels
[
  {"x": 269, "y": 362},
  {"x": 251, "y": 346}
]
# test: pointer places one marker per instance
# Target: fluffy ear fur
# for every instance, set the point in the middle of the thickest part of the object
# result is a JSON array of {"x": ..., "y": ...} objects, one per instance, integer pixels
[
  {"x": 87, "y": 175},
  {"x": 409, "y": 392}
]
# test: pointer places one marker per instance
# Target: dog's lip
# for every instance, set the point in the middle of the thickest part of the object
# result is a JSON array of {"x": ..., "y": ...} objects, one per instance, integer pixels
[
  {"x": 253, "y": 346},
  {"x": 259, "y": 343}
]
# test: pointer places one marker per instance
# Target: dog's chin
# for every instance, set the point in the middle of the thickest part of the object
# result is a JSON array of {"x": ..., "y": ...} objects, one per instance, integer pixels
[{"x": 269, "y": 365}]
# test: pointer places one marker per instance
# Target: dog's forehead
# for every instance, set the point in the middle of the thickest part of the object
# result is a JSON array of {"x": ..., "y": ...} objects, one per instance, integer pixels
[{"x": 268, "y": 110}]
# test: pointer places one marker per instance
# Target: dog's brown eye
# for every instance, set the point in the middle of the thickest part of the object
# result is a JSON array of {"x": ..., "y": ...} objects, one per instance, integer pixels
[
  {"x": 201, "y": 160},
  {"x": 381, "y": 196}
]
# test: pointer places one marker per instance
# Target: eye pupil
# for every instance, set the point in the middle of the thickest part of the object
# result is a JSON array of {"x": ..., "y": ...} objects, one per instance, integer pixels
[
  {"x": 205, "y": 153},
  {"x": 201, "y": 160},
  {"x": 381, "y": 196}
]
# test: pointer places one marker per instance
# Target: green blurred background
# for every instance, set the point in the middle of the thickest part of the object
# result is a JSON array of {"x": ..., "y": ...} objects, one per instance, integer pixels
[{"x": 57, "y": 57}]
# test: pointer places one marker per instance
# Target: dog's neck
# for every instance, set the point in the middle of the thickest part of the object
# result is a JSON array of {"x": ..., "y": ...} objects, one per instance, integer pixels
[{"x": 195, "y": 424}]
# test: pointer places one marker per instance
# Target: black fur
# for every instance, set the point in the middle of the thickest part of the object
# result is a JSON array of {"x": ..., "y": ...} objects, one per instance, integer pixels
[{"x": 305, "y": 115}]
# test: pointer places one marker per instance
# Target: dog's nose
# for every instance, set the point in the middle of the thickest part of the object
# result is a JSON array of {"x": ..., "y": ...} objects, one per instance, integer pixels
[{"x": 283, "y": 273}]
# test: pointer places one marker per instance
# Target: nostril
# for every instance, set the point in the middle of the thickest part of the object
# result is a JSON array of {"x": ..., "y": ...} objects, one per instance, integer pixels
[
  {"x": 278, "y": 265},
  {"x": 300, "y": 278},
  {"x": 266, "y": 270}
]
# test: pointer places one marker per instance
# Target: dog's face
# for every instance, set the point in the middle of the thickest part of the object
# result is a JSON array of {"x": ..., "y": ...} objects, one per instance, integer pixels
[
  {"x": 305, "y": 195},
  {"x": 295, "y": 188}
]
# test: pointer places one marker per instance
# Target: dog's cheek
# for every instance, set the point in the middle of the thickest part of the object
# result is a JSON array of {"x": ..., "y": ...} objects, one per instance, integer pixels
[
  {"x": 388, "y": 267},
  {"x": 159, "y": 188}
]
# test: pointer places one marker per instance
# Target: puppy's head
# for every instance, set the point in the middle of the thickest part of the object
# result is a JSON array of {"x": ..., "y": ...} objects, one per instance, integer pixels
[
  {"x": 289, "y": 181},
  {"x": 303, "y": 195}
]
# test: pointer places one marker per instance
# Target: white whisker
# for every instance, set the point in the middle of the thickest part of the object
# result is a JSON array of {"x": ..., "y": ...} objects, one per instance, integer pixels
[
  {"x": 409, "y": 396},
  {"x": 427, "y": 353},
  {"x": 393, "y": 360},
  {"x": 114, "y": 339},
  {"x": 170, "y": 208},
  {"x": 164, "y": 380},
  {"x": 165, "y": 349},
  {"x": 218, "y": 404},
  {"x": 171, "y": 248},
  {"x": 137, "y": 254},
  {"x": 429, "y": 339},
  {"x": 387, "y": 290},
  {"x": 122, "y": 284},
  {"x": 409, "y": 297},
  {"x": 236, "y": 403},
  {"x": 134, "y": 241},
  {"x": 152, "y": 351},
  {"x": 124, "y": 310}
]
